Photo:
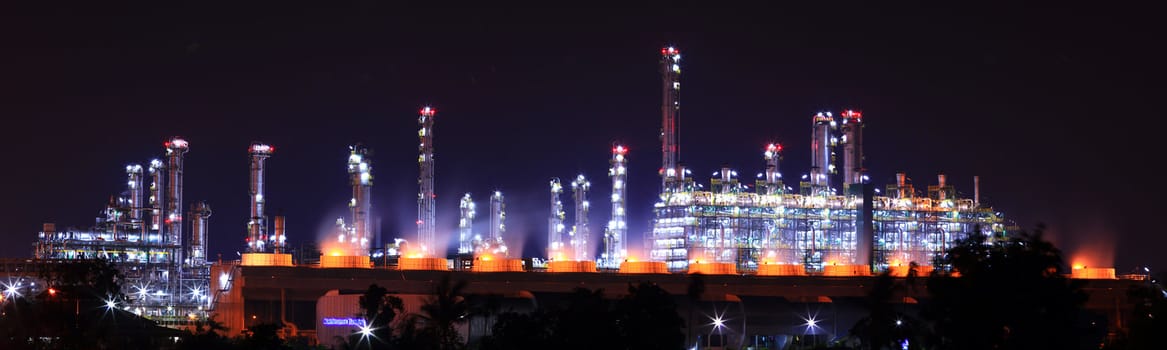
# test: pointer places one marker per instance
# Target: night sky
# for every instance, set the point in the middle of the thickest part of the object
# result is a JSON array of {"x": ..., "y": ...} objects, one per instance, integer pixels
[{"x": 1055, "y": 108}]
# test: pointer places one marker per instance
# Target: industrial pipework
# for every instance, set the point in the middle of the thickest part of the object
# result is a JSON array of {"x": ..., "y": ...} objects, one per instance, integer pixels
[
  {"x": 555, "y": 222},
  {"x": 257, "y": 225},
  {"x": 425, "y": 181},
  {"x": 581, "y": 231}
]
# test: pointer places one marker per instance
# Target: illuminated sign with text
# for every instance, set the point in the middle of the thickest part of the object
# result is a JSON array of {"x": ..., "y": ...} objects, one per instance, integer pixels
[{"x": 343, "y": 321}]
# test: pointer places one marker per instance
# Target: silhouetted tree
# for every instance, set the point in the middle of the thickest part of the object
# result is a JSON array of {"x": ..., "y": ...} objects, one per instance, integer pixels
[
  {"x": 264, "y": 336},
  {"x": 1148, "y": 322},
  {"x": 434, "y": 327},
  {"x": 205, "y": 335},
  {"x": 884, "y": 327},
  {"x": 521, "y": 331},
  {"x": 1009, "y": 295},
  {"x": 647, "y": 319},
  {"x": 379, "y": 310}
]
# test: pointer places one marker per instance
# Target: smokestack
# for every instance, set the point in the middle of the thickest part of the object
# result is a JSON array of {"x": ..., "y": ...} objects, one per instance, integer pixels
[
  {"x": 257, "y": 225},
  {"x": 198, "y": 238},
  {"x": 977, "y": 190},
  {"x": 941, "y": 193},
  {"x": 176, "y": 148},
  {"x": 940, "y": 180}
]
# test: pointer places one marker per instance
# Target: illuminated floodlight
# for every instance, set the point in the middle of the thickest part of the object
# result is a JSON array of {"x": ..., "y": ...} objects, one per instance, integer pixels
[
  {"x": 717, "y": 320},
  {"x": 10, "y": 291},
  {"x": 110, "y": 304},
  {"x": 811, "y": 323}
]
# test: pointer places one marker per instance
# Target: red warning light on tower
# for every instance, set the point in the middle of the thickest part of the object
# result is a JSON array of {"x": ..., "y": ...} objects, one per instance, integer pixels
[
  {"x": 619, "y": 149},
  {"x": 669, "y": 51},
  {"x": 852, "y": 114},
  {"x": 427, "y": 111}
]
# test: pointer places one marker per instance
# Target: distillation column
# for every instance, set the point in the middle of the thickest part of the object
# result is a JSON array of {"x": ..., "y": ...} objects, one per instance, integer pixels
[
  {"x": 201, "y": 213},
  {"x": 670, "y": 66},
  {"x": 555, "y": 222},
  {"x": 361, "y": 179},
  {"x": 425, "y": 182},
  {"x": 176, "y": 148},
  {"x": 615, "y": 239},
  {"x": 134, "y": 185},
  {"x": 822, "y": 145},
  {"x": 852, "y": 147},
  {"x": 157, "y": 198},
  {"x": 581, "y": 231},
  {"x": 257, "y": 225},
  {"x": 466, "y": 225},
  {"x": 497, "y": 223}
]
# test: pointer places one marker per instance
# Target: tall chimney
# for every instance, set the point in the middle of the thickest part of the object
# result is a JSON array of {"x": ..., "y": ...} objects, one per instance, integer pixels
[
  {"x": 977, "y": 190},
  {"x": 940, "y": 182}
]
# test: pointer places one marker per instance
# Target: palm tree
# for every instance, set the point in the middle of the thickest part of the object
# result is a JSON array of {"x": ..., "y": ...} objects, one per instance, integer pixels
[{"x": 444, "y": 310}]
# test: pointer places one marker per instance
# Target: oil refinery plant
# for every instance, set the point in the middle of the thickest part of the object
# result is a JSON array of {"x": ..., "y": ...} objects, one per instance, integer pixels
[{"x": 833, "y": 221}]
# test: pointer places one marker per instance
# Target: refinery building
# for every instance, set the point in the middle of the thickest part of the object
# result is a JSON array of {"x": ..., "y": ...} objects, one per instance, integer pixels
[{"x": 775, "y": 243}]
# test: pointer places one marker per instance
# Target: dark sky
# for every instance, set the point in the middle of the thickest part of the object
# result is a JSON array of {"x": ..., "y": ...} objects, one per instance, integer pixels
[{"x": 1056, "y": 108}]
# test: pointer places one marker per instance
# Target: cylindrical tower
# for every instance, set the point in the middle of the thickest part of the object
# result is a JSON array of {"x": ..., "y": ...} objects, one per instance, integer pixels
[
  {"x": 670, "y": 66},
  {"x": 425, "y": 182},
  {"x": 852, "y": 147},
  {"x": 581, "y": 231},
  {"x": 497, "y": 218},
  {"x": 361, "y": 179},
  {"x": 157, "y": 198},
  {"x": 822, "y": 143},
  {"x": 134, "y": 186},
  {"x": 555, "y": 221},
  {"x": 176, "y": 148},
  {"x": 278, "y": 239},
  {"x": 772, "y": 177},
  {"x": 198, "y": 238},
  {"x": 465, "y": 225},
  {"x": 615, "y": 240},
  {"x": 257, "y": 225}
]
